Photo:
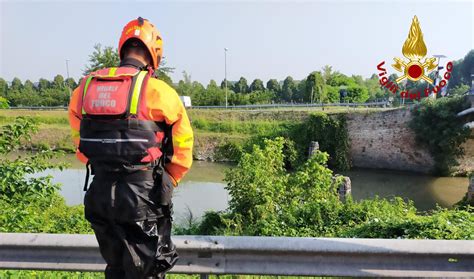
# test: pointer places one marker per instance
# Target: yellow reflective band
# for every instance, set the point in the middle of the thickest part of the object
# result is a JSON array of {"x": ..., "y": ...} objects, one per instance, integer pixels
[
  {"x": 112, "y": 71},
  {"x": 85, "y": 91},
  {"x": 183, "y": 141},
  {"x": 75, "y": 134},
  {"x": 136, "y": 92}
]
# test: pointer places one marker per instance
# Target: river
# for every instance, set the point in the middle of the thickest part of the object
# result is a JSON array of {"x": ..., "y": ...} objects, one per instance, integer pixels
[{"x": 203, "y": 188}]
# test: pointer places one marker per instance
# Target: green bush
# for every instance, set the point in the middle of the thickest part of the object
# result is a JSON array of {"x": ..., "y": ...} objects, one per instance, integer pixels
[
  {"x": 268, "y": 200},
  {"x": 30, "y": 203},
  {"x": 3, "y": 103},
  {"x": 331, "y": 134},
  {"x": 39, "y": 216},
  {"x": 329, "y": 131},
  {"x": 437, "y": 128}
]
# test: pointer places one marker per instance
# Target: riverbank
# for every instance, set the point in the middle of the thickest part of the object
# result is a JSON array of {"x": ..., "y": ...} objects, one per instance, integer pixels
[
  {"x": 212, "y": 128},
  {"x": 378, "y": 138}
]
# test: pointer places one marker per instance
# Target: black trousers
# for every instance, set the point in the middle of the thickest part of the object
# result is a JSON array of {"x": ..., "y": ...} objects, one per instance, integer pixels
[{"x": 131, "y": 215}]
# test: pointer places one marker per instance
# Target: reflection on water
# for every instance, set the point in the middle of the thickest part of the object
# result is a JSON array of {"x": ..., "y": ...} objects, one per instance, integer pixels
[
  {"x": 426, "y": 191},
  {"x": 203, "y": 188}
]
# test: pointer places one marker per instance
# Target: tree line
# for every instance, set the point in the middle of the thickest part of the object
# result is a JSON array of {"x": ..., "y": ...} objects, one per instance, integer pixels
[{"x": 323, "y": 86}]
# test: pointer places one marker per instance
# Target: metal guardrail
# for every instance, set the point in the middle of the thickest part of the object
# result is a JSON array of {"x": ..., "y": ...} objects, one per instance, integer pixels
[
  {"x": 322, "y": 105},
  {"x": 39, "y": 108},
  {"x": 262, "y": 106},
  {"x": 258, "y": 255}
]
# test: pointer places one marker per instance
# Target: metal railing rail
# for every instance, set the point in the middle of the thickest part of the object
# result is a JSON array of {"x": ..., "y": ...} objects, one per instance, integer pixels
[
  {"x": 296, "y": 105},
  {"x": 39, "y": 108},
  {"x": 261, "y": 106},
  {"x": 257, "y": 255}
]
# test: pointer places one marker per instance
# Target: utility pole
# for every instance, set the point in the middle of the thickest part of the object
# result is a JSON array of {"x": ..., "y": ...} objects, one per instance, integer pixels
[
  {"x": 67, "y": 73},
  {"x": 225, "y": 74},
  {"x": 67, "y": 67}
]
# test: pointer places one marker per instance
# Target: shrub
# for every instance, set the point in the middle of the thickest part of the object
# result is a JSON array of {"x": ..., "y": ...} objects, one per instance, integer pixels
[
  {"x": 29, "y": 203},
  {"x": 3, "y": 103},
  {"x": 268, "y": 200},
  {"x": 437, "y": 128},
  {"x": 331, "y": 134}
]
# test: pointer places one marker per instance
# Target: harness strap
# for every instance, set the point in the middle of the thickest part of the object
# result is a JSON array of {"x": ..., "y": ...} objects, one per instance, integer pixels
[
  {"x": 122, "y": 124},
  {"x": 137, "y": 89},
  {"x": 85, "y": 92}
]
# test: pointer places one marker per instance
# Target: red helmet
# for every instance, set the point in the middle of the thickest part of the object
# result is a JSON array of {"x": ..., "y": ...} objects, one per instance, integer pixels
[{"x": 145, "y": 32}]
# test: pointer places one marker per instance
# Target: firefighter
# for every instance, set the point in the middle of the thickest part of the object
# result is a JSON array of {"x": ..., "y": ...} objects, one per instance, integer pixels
[{"x": 134, "y": 135}]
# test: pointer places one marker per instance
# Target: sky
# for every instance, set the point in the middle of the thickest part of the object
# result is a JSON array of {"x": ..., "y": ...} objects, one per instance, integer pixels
[{"x": 266, "y": 39}]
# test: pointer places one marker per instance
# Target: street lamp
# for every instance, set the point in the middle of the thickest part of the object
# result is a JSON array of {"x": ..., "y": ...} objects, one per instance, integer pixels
[
  {"x": 67, "y": 72},
  {"x": 225, "y": 74},
  {"x": 67, "y": 67},
  {"x": 438, "y": 68}
]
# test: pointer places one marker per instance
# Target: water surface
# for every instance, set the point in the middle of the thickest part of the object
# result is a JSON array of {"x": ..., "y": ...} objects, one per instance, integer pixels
[{"x": 202, "y": 188}]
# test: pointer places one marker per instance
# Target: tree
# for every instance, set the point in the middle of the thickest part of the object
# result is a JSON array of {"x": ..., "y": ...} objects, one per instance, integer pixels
[
  {"x": 16, "y": 84},
  {"x": 327, "y": 73},
  {"x": 467, "y": 67},
  {"x": 288, "y": 89},
  {"x": 58, "y": 82},
  {"x": 274, "y": 86},
  {"x": 333, "y": 94},
  {"x": 356, "y": 94},
  {"x": 29, "y": 85},
  {"x": 338, "y": 79},
  {"x": 300, "y": 91},
  {"x": 163, "y": 68},
  {"x": 185, "y": 85},
  {"x": 71, "y": 83},
  {"x": 108, "y": 57},
  {"x": 241, "y": 86},
  {"x": 358, "y": 79},
  {"x": 456, "y": 75},
  {"x": 164, "y": 71},
  {"x": 315, "y": 88},
  {"x": 257, "y": 85},
  {"x": 212, "y": 84},
  {"x": 462, "y": 70},
  {"x": 3, "y": 87},
  {"x": 102, "y": 58},
  {"x": 374, "y": 88},
  {"x": 223, "y": 84},
  {"x": 459, "y": 90},
  {"x": 43, "y": 84},
  {"x": 164, "y": 77},
  {"x": 213, "y": 95}
]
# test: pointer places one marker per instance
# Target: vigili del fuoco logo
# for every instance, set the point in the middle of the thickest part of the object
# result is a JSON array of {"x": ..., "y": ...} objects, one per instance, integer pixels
[{"x": 415, "y": 67}]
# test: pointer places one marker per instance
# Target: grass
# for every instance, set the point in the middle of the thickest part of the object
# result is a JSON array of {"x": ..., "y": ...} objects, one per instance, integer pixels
[
  {"x": 45, "y": 117},
  {"x": 218, "y": 126}
]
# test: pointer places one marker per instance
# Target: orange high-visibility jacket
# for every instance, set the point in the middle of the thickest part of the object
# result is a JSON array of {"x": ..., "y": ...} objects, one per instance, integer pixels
[{"x": 162, "y": 105}]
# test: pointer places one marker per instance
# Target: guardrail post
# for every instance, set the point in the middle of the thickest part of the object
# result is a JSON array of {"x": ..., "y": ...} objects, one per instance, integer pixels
[{"x": 204, "y": 276}]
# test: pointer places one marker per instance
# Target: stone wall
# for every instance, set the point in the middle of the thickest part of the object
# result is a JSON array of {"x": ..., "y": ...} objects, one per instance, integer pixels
[
  {"x": 384, "y": 140},
  {"x": 378, "y": 140}
]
